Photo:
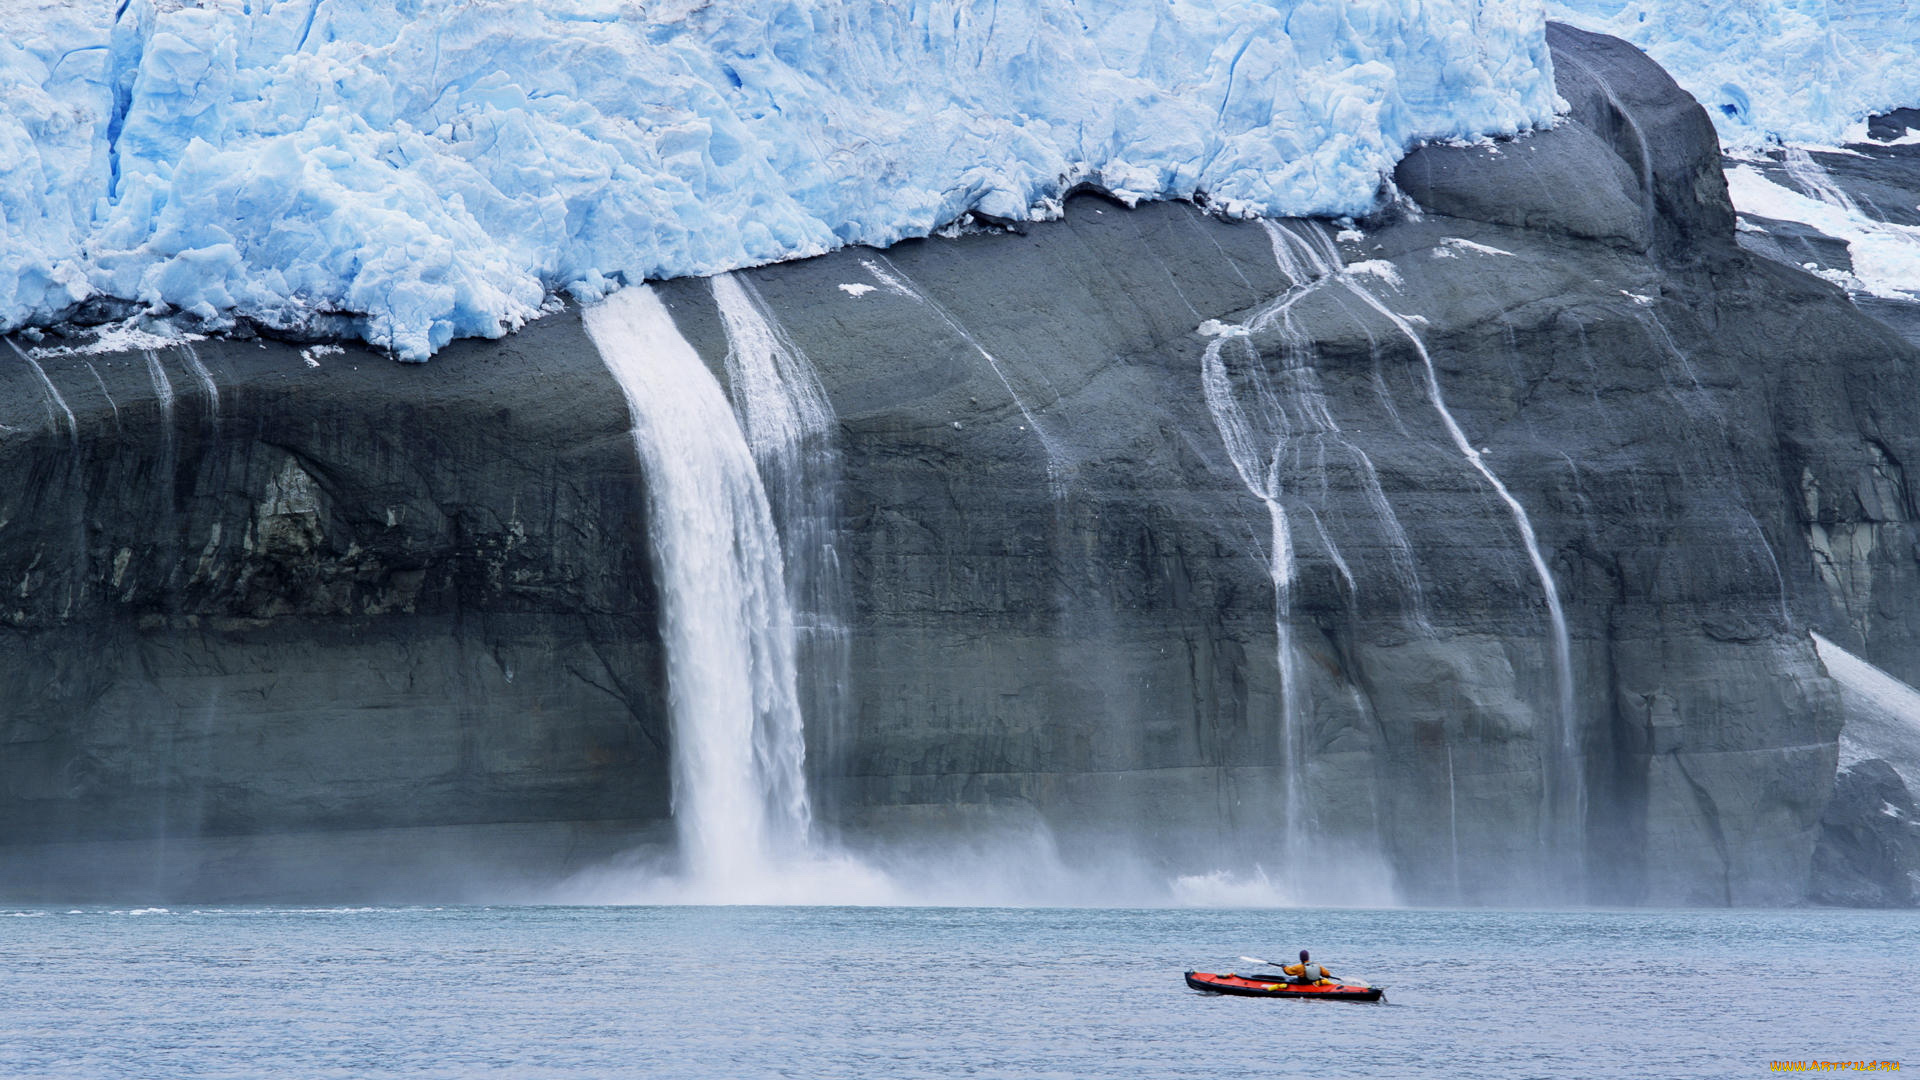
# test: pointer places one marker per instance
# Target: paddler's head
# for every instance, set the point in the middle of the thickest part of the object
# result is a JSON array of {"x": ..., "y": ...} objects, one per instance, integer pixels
[{"x": 1303, "y": 956}]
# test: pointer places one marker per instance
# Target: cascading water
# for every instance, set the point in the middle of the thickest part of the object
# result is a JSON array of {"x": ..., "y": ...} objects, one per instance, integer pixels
[
  {"x": 205, "y": 377},
  {"x": 76, "y": 581},
  {"x": 1773, "y": 561},
  {"x": 1714, "y": 471},
  {"x": 1308, "y": 258},
  {"x": 789, "y": 429},
  {"x": 1257, "y": 458},
  {"x": 1263, "y": 416},
  {"x": 739, "y": 794},
  {"x": 162, "y": 388},
  {"x": 1563, "y": 785}
]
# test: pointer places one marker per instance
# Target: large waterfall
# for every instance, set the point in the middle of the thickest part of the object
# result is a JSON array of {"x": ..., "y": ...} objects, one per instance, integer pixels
[{"x": 739, "y": 794}]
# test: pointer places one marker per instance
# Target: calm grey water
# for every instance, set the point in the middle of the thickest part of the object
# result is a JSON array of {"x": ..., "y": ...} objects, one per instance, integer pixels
[{"x": 940, "y": 992}]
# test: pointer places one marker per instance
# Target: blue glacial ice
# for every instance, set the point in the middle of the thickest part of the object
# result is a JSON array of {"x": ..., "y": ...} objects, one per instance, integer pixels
[
  {"x": 412, "y": 172},
  {"x": 1801, "y": 71}
]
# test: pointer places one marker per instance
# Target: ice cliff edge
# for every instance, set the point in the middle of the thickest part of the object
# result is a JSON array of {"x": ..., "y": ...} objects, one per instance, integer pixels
[{"x": 409, "y": 173}]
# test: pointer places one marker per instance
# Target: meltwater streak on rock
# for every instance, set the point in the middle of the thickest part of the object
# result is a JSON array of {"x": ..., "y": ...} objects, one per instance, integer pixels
[
  {"x": 1779, "y": 579},
  {"x": 1259, "y": 469},
  {"x": 162, "y": 386},
  {"x": 1882, "y": 254},
  {"x": 1564, "y": 788},
  {"x": 1306, "y": 256},
  {"x": 739, "y": 795},
  {"x": 54, "y": 400},
  {"x": 75, "y": 587},
  {"x": 200, "y": 372},
  {"x": 1258, "y": 463},
  {"x": 1059, "y": 464},
  {"x": 1813, "y": 179},
  {"x": 1643, "y": 167},
  {"x": 789, "y": 426}
]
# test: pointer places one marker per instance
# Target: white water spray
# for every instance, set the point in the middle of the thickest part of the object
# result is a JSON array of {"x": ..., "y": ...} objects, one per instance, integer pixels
[{"x": 739, "y": 795}]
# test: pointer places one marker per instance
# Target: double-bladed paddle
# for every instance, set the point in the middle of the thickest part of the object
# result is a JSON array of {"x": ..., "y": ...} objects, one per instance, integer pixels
[{"x": 1269, "y": 963}]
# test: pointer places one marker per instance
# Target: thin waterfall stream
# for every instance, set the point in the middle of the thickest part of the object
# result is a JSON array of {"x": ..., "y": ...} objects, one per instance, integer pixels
[
  {"x": 1563, "y": 786},
  {"x": 789, "y": 427},
  {"x": 1263, "y": 417}
]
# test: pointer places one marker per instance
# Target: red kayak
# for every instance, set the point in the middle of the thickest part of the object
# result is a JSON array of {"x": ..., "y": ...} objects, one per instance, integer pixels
[{"x": 1240, "y": 984}]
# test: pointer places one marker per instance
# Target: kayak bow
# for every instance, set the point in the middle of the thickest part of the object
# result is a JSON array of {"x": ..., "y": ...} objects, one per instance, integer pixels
[{"x": 1207, "y": 982}]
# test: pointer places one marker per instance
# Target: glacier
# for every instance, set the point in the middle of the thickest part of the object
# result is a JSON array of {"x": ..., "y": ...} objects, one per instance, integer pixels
[
  {"x": 409, "y": 172},
  {"x": 1798, "y": 71}
]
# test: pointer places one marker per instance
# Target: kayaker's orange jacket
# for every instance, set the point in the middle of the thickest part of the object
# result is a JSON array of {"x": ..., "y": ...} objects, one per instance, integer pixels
[{"x": 1297, "y": 970}]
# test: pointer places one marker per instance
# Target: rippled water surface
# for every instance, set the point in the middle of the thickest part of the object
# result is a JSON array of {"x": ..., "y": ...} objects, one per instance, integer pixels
[{"x": 933, "y": 992}]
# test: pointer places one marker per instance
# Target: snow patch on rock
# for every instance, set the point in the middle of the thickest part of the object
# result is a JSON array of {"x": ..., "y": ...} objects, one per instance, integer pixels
[{"x": 1773, "y": 70}]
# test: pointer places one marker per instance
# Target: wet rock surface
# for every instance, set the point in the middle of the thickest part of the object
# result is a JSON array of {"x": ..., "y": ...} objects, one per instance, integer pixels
[{"x": 359, "y": 602}]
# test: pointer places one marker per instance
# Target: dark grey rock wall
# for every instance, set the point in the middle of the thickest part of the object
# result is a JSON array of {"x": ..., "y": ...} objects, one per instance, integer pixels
[
  {"x": 277, "y": 597},
  {"x": 358, "y": 603}
]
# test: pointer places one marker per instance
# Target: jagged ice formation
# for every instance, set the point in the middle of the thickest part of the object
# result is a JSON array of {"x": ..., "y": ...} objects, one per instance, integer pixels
[{"x": 410, "y": 172}]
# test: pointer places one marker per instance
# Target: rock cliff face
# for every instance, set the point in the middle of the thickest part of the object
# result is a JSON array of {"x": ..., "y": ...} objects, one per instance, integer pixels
[
  {"x": 248, "y": 595},
  {"x": 1478, "y": 542}
]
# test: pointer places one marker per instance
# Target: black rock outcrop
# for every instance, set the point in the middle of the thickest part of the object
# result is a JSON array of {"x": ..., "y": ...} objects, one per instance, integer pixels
[{"x": 1869, "y": 848}]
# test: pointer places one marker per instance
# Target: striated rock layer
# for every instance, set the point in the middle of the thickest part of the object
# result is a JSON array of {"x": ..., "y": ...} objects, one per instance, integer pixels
[{"x": 365, "y": 629}]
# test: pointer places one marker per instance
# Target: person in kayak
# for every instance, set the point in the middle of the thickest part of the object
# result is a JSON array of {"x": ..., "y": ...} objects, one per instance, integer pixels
[{"x": 1306, "y": 973}]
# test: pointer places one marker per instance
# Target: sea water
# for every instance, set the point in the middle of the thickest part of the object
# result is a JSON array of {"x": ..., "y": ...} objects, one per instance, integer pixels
[{"x": 941, "y": 992}]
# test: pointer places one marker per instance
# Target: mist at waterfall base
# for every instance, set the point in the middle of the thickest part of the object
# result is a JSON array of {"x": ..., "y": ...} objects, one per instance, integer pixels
[
  {"x": 532, "y": 992},
  {"x": 740, "y": 510},
  {"x": 740, "y": 487}
]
